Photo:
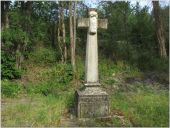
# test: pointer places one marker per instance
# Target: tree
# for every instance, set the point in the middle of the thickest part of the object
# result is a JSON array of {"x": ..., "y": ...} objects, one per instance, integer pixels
[
  {"x": 74, "y": 30},
  {"x": 165, "y": 19},
  {"x": 159, "y": 29},
  {"x": 5, "y": 9},
  {"x": 72, "y": 35},
  {"x": 62, "y": 34}
]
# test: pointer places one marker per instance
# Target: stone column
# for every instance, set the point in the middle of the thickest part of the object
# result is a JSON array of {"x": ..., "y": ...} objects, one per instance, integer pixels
[{"x": 91, "y": 66}]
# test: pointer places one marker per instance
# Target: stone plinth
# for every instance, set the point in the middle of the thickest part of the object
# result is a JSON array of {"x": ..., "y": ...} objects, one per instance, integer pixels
[{"x": 92, "y": 102}]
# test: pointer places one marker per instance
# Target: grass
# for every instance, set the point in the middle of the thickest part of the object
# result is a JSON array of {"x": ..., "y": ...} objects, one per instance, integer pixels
[
  {"x": 40, "y": 111},
  {"x": 48, "y": 91},
  {"x": 143, "y": 109}
]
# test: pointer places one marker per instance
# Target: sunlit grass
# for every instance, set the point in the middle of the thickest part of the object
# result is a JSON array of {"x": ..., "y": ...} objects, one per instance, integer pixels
[
  {"x": 40, "y": 111},
  {"x": 143, "y": 108},
  {"x": 139, "y": 105}
]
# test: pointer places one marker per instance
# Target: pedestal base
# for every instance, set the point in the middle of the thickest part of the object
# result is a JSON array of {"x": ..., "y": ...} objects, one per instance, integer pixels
[{"x": 92, "y": 102}]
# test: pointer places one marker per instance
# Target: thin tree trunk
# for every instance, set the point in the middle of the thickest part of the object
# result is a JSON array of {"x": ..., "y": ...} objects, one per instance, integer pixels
[
  {"x": 59, "y": 35},
  {"x": 74, "y": 44},
  {"x": 2, "y": 13},
  {"x": 18, "y": 57},
  {"x": 63, "y": 33},
  {"x": 26, "y": 8},
  {"x": 59, "y": 44},
  {"x": 71, "y": 38},
  {"x": 159, "y": 29},
  {"x": 5, "y": 9}
]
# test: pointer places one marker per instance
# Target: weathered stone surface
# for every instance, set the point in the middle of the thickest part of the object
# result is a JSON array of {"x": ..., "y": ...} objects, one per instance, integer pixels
[
  {"x": 83, "y": 22},
  {"x": 92, "y": 84},
  {"x": 92, "y": 102},
  {"x": 102, "y": 23},
  {"x": 93, "y": 23}
]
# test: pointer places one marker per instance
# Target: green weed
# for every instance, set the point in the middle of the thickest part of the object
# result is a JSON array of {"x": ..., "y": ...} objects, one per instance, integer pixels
[
  {"x": 43, "y": 55},
  {"x": 144, "y": 108},
  {"x": 10, "y": 89},
  {"x": 39, "y": 112}
]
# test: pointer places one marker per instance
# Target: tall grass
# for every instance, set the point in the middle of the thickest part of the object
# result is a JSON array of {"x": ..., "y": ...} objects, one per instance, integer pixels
[
  {"x": 49, "y": 92},
  {"x": 143, "y": 109},
  {"x": 40, "y": 111}
]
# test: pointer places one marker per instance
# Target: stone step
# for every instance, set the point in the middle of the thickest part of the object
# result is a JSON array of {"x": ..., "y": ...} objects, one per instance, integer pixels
[{"x": 68, "y": 122}]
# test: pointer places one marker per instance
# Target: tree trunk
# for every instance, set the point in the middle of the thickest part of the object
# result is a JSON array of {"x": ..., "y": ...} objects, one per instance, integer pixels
[
  {"x": 63, "y": 33},
  {"x": 159, "y": 29},
  {"x": 18, "y": 57},
  {"x": 72, "y": 39},
  {"x": 5, "y": 9},
  {"x": 74, "y": 44},
  {"x": 59, "y": 33},
  {"x": 73, "y": 35},
  {"x": 26, "y": 9},
  {"x": 59, "y": 44}
]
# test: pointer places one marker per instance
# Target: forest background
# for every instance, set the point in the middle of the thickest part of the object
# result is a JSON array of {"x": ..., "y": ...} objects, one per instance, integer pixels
[{"x": 43, "y": 57}]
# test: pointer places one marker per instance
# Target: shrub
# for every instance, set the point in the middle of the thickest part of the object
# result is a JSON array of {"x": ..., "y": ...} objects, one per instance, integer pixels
[
  {"x": 43, "y": 56},
  {"x": 160, "y": 64},
  {"x": 10, "y": 89},
  {"x": 59, "y": 78},
  {"x": 8, "y": 68},
  {"x": 61, "y": 73}
]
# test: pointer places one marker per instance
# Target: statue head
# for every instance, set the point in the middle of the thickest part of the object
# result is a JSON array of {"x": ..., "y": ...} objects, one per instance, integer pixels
[{"x": 93, "y": 21}]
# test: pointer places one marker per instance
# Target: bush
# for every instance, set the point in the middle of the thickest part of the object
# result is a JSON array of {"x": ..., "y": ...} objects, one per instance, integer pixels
[
  {"x": 61, "y": 73},
  {"x": 47, "y": 88},
  {"x": 43, "y": 56},
  {"x": 10, "y": 89},
  {"x": 57, "y": 79},
  {"x": 153, "y": 64},
  {"x": 8, "y": 68},
  {"x": 160, "y": 64}
]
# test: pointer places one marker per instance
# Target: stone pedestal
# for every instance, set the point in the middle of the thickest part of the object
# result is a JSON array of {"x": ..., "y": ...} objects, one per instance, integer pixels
[{"x": 92, "y": 102}]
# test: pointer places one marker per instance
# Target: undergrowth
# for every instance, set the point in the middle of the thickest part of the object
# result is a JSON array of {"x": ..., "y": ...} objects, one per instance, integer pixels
[
  {"x": 50, "y": 88},
  {"x": 144, "y": 109},
  {"x": 38, "y": 111}
]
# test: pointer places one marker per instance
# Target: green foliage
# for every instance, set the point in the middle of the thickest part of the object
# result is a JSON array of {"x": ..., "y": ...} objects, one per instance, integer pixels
[
  {"x": 13, "y": 37},
  {"x": 61, "y": 73},
  {"x": 14, "y": 45},
  {"x": 159, "y": 64},
  {"x": 43, "y": 56},
  {"x": 107, "y": 68},
  {"x": 10, "y": 89},
  {"x": 144, "y": 108},
  {"x": 46, "y": 88},
  {"x": 40, "y": 111},
  {"x": 8, "y": 67},
  {"x": 129, "y": 43},
  {"x": 80, "y": 64},
  {"x": 131, "y": 35},
  {"x": 146, "y": 62},
  {"x": 55, "y": 79}
]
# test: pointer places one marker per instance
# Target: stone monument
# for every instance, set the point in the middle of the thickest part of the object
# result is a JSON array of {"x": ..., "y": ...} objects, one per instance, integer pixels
[{"x": 92, "y": 101}]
